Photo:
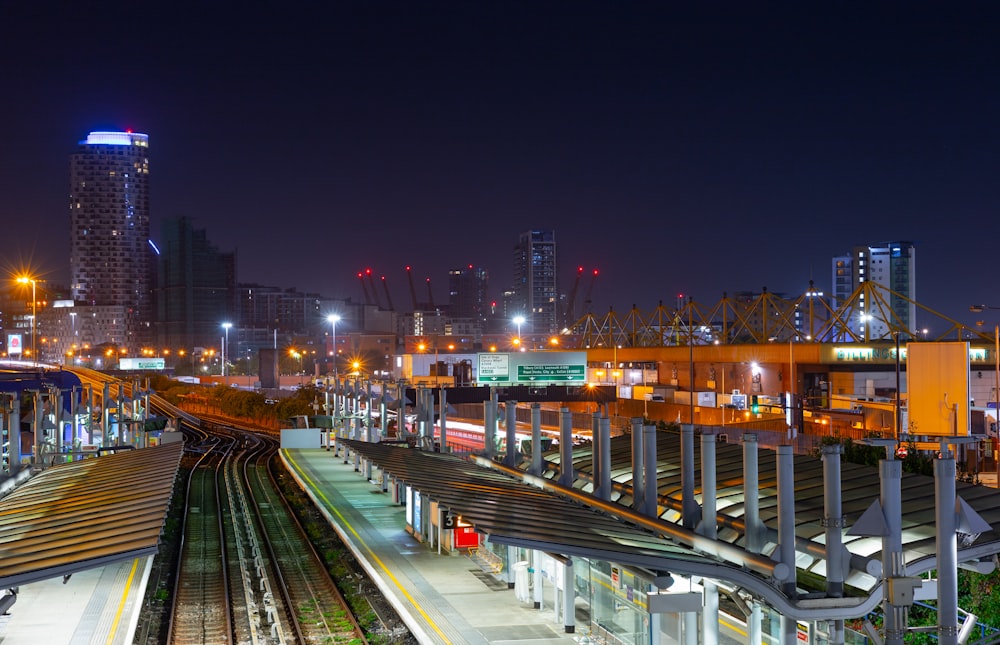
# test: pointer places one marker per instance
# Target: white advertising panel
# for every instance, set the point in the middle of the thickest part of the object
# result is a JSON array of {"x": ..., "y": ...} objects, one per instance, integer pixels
[
  {"x": 14, "y": 344},
  {"x": 142, "y": 363}
]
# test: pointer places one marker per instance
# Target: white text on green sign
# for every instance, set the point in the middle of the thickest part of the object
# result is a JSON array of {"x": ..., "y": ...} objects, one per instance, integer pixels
[
  {"x": 494, "y": 367},
  {"x": 551, "y": 372}
]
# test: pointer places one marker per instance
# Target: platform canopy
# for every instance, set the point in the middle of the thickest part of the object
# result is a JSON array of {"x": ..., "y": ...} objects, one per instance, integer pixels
[{"x": 86, "y": 514}]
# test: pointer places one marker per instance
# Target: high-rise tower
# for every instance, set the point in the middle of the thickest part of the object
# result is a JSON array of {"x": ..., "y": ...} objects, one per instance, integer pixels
[
  {"x": 536, "y": 289},
  {"x": 891, "y": 265},
  {"x": 110, "y": 256},
  {"x": 195, "y": 287},
  {"x": 467, "y": 293}
]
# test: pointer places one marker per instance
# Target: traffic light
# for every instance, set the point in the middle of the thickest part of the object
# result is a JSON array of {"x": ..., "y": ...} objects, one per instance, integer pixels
[{"x": 754, "y": 405}]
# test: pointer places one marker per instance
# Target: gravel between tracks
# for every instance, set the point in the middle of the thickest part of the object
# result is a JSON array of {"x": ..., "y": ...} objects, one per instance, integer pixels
[{"x": 376, "y": 615}]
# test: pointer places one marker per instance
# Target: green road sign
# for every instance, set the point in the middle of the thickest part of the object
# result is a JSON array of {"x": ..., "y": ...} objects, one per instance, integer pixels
[
  {"x": 494, "y": 368},
  {"x": 531, "y": 373}
]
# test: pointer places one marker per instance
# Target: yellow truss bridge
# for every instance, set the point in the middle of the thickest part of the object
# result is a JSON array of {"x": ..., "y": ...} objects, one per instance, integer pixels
[{"x": 768, "y": 318}]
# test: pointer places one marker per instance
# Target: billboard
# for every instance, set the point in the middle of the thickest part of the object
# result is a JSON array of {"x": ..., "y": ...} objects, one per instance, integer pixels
[
  {"x": 141, "y": 364},
  {"x": 14, "y": 344},
  {"x": 938, "y": 392}
]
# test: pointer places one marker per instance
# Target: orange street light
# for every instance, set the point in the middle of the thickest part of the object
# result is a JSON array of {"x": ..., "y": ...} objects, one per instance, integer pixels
[{"x": 34, "y": 313}]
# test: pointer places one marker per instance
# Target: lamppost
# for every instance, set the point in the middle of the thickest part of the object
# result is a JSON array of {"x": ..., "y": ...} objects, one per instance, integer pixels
[
  {"x": 225, "y": 350},
  {"x": 518, "y": 320},
  {"x": 34, "y": 315},
  {"x": 978, "y": 309},
  {"x": 294, "y": 353},
  {"x": 334, "y": 319},
  {"x": 68, "y": 350}
]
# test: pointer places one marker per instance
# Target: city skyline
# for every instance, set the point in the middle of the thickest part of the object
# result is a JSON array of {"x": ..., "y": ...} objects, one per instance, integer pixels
[{"x": 675, "y": 149}]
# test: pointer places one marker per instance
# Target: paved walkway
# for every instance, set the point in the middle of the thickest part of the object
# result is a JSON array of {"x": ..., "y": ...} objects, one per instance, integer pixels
[
  {"x": 95, "y": 606},
  {"x": 443, "y": 598}
]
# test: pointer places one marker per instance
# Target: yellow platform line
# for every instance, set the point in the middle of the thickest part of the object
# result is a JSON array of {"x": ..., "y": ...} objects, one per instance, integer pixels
[
  {"x": 361, "y": 541},
  {"x": 121, "y": 605}
]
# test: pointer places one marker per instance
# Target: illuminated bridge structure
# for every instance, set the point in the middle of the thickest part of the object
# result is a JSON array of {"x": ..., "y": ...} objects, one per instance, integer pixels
[{"x": 766, "y": 318}]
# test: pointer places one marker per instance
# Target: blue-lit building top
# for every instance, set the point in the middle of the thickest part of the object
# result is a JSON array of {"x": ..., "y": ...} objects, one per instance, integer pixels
[
  {"x": 110, "y": 259},
  {"x": 116, "y": 139}
]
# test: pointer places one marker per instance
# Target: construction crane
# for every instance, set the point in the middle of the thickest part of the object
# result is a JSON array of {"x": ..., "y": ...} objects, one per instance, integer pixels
[
  {"x": 570, "y": 314},
  {"x": 388, "y": 298},
  {"x": 430, "y": 295},
  {"x": 361, "y": 279},
  {"x": 413, "y": 292},
  {"x": 371, "y": 281},
  {"x": 590, "y": 290}
]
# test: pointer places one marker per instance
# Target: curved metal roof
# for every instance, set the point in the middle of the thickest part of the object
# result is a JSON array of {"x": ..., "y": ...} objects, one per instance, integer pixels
[
  {"x": 513, "y": 509},
  {"x": 85, "y": 514},
  {"x": 517, "y": 513},
  {"x": 513, "y": 512},
  {"x": 859, "y": 488}
]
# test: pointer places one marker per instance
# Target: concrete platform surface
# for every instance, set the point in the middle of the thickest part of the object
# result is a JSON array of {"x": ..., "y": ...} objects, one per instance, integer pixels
[{"x": 444, "y": 598}]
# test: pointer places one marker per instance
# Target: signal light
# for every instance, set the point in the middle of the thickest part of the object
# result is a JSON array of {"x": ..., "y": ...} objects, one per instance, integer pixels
[{"x": 754, "y": 405}]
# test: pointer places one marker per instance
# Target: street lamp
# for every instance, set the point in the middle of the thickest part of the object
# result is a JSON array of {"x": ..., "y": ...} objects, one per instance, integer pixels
[
  {"x": 72, "y": 318},
  {"x": 225, "y": 350},
  {"x": 334, "y": 319},
  {"x": 34, "y": 316},
  {"x": 518, "y": 320}
]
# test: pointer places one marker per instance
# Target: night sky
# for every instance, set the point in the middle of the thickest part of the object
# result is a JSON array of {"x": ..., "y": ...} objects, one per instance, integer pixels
[{"x": 694, "y": 148}]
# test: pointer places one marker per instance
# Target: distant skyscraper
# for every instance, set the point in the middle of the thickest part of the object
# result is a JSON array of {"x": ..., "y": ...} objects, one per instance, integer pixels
[
  {"x": 110, "y": 257},
  {"x": 467, "y": 293},
  {"x": 195, "y": 288},
  {"x": 536, "y": 289},
  {"x": 889, "y": 264}
]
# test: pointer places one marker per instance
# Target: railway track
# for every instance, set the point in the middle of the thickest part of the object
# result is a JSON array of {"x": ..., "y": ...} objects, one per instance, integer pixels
[
  {"x": 202, "y": 612},
  {"x": 246, "y": 573},
  {"x": 276, "y": 588}
]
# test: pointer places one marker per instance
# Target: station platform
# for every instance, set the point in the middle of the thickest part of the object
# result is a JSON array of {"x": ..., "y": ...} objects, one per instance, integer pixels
[
  {"x": 444, "y": 599},
  {"x": 99, "y": 605}
]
